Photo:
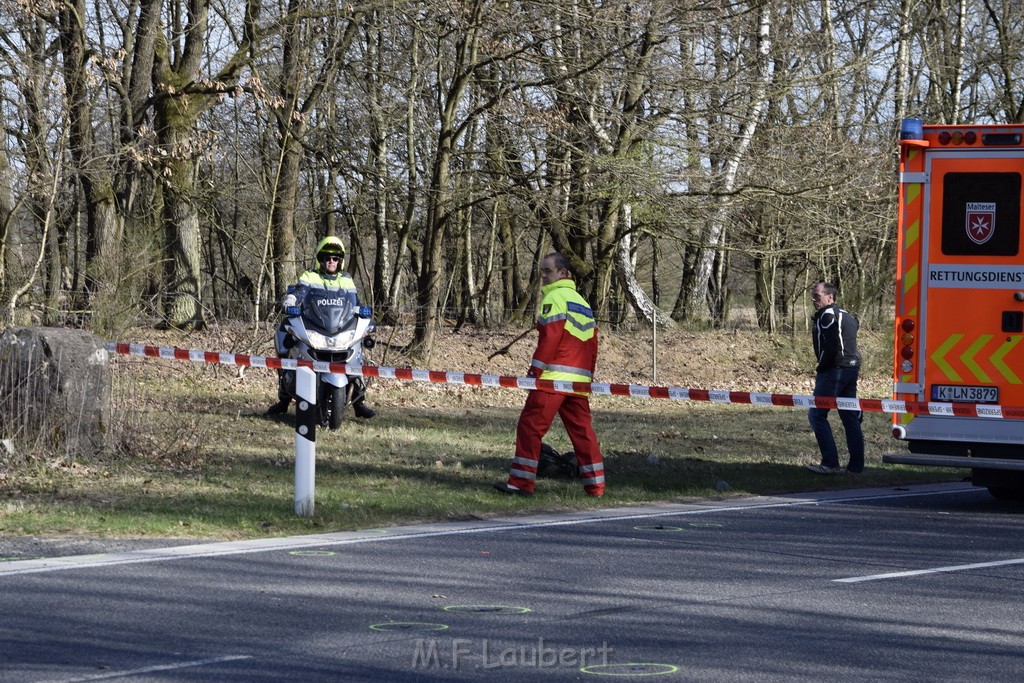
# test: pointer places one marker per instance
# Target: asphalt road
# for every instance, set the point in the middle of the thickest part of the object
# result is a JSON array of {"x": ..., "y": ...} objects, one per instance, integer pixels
[{"x": 913, "y": 584}]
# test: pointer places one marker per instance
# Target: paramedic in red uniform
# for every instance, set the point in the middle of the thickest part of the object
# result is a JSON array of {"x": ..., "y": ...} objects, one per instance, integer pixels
[{"x": 566, "y": 350}]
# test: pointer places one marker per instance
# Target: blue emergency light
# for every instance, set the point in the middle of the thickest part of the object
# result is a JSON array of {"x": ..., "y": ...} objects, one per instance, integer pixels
[{"x": 912, "y": 129}]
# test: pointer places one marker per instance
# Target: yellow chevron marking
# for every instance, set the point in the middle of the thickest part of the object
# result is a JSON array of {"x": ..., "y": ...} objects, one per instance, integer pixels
[
  {"x": 911, "y": 235},
  {"x": 968, "y": 358},
  {"x": 1003, "y": 368},
  {"x": 913, "y": 190},
  {"x": 940, "y": 360},
  {"x": 910, "y": 279}
]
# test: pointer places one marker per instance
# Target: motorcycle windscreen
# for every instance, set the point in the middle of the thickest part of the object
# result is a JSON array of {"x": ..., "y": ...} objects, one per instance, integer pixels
[{"x": 330, "y": 312}]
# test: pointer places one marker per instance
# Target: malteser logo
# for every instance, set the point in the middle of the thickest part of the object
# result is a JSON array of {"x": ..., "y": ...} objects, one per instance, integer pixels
[{"x": 981, "y": 221}]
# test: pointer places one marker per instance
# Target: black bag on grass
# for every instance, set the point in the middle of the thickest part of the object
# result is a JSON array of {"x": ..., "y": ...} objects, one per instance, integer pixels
[{"x": 557, "y": 466}]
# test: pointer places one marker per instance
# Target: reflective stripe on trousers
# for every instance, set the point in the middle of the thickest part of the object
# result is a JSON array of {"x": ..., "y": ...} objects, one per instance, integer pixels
[{"x": 535, "y": 420}]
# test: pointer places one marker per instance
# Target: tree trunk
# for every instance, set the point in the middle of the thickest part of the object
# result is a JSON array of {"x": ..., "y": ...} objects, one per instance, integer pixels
[
  {"x": 183, "y": 270},
  {"x": 282, "y": 215},
  {"x": 104, "y": 221},
  {"x": 6, "y": 219},
  {"x": 176, "y": 114},
  {"x": 699, "y": 304},
  {"x": 428, "y": 282},
  {"x": 377, "y": 164},
  {"x": 632, "y": 288},
  {"x": 439, "y": 195},
  {"x": 764, "y": 293}
]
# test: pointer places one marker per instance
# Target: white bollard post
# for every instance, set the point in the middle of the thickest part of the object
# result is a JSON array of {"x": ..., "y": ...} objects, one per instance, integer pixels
[{"x": 305, "y": 441}]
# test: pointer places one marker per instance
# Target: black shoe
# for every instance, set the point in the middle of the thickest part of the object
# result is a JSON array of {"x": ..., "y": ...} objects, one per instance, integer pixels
[
  {"x": 824, "y": 469},
  {"x": 279, "y": 407},
  {"x": 510, "y": 490},
  {"x": 362, "y": 410}
]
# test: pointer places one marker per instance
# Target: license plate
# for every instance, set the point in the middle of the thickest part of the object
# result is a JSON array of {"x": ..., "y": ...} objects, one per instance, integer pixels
[{"x": 960, "y": 393}]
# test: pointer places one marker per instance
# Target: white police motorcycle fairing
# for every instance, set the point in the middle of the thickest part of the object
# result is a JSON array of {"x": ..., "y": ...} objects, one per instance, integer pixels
[{"x": 329, "y": 326}]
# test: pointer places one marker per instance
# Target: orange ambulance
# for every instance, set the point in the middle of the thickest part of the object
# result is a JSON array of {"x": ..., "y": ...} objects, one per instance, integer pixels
[{"x": 960, "y": 301}]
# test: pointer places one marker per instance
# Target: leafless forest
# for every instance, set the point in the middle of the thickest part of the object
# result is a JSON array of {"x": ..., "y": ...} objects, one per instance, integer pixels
[{"x": 173, "y": 162}]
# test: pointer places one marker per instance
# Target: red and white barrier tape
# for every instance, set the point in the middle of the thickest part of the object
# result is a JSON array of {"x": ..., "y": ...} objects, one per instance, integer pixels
[{"x": 870, "y": 405}]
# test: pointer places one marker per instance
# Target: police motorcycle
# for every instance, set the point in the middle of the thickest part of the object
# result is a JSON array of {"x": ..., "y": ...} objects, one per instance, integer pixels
[{"x": 328, "y": 326}]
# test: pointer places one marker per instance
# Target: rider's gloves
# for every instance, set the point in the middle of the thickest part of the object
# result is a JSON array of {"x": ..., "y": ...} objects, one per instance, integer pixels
[{"x": 289, "y": 300}]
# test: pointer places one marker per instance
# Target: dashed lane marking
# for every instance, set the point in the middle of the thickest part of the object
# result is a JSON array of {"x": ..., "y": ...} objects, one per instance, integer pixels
[
  {"x": 933, "y": 570},
  {"x": 151, "y": 669}
]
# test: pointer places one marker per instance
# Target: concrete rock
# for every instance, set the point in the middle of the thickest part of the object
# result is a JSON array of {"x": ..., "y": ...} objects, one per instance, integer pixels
[{"x": 54, "y": 390}]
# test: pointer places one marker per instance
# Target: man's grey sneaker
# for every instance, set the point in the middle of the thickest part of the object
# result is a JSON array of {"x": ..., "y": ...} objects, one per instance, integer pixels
[{"x": 824, "y": 469}]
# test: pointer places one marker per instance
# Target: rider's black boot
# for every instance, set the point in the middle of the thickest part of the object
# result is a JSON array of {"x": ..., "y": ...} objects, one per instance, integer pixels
[
  {"x": 283, "y": 397},
  {"x": 279, "y": 407},
  {"x": 362, "y": 410}
]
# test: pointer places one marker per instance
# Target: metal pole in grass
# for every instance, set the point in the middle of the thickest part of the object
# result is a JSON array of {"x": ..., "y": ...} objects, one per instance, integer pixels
[
  {"x": 305, "y": 441},
  {"x": 654, "y": 348}
]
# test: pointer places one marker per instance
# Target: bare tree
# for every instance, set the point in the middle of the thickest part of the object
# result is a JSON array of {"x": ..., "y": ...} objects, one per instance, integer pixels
[
  {"x": 104, "y": 219},
  {"x": 705, "y": 300},
  {"x": 7, "y": 208},
  {"x": 181, "y": 94},
  {"x": 1001, "y": 63},
  {"x": 313, "y": 51}
]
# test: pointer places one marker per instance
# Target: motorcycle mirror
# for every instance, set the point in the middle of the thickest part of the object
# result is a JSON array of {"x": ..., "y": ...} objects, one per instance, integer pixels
[
  {"x": 365, "y": 312},
  {"x": 292, "y": 310}
]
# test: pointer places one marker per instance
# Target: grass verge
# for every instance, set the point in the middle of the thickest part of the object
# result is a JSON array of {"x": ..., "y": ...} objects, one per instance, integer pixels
[{"x": 196, "y": 457}]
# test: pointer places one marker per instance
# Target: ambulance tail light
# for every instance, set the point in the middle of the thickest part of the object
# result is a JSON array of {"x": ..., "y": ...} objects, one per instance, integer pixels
[
  {"x": 907, "y": 340},
  {"x": 958, "y": 137}
]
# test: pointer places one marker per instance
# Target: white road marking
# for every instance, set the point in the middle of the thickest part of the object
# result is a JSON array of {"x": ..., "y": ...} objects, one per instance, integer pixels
[
  {"x": 151, "y": 669},
  {"x": 933, "y": 570},
  {"x": 458, "y": 528}
]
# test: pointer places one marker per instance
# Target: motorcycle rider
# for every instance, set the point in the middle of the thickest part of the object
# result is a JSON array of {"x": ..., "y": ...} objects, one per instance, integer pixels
[{"x": 328, "y": 276}]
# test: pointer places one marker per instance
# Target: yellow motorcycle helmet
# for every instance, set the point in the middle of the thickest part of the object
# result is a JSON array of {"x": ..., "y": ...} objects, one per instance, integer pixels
[{"x": 330, "y": 246}]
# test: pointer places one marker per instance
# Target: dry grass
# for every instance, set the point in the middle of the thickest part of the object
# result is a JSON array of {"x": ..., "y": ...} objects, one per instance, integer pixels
[{"x": 194, "y": 455}]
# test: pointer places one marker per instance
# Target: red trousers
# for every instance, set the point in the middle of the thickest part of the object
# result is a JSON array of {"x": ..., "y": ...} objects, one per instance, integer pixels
[{"x": 534, "y": 422}]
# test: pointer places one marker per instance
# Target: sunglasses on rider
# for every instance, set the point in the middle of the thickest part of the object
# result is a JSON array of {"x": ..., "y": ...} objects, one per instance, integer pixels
[{"x": 332, "y": 258}]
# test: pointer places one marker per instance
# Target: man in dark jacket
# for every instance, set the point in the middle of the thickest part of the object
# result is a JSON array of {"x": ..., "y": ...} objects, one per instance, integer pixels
[{"x": 835, "y": 347}]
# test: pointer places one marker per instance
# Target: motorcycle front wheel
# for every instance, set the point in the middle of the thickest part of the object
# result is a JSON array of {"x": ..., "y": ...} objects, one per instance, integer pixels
[{"x": 332, "y": 405}]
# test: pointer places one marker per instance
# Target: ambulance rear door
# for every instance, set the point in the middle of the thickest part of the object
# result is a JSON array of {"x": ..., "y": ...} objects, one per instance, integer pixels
[{"x": 972, "y": 322}]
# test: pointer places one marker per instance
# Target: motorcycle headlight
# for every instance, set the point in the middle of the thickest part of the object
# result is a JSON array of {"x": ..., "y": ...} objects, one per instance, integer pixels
[{"x": 318, "y": 340}]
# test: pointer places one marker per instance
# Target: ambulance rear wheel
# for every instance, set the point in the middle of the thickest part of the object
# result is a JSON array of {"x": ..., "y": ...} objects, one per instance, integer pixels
[{"x": 1008, "y": 495}]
